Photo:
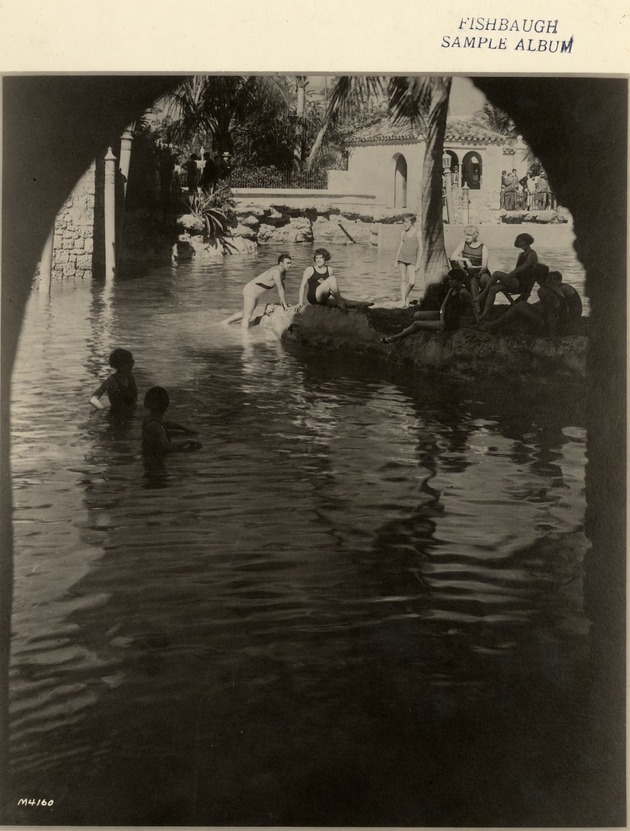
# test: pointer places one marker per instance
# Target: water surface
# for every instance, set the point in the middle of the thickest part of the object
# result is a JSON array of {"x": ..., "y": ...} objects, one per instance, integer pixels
[{"x": 359, "y": 603}]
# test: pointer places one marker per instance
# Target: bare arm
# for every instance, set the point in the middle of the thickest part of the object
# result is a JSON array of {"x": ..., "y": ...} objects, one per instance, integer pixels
[
  {"x": 95, "y": 400},
  {"x": 399, "y": 249},
  {"x": 457, "y": 252},
  {"x": 174, "y": 427},
  {"x": 443, "y": 306},
  {"x": 277, "y": 277}
]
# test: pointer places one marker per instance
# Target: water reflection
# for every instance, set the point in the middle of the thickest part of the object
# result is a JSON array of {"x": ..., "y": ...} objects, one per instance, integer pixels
[{"x": 359, "y": 602}]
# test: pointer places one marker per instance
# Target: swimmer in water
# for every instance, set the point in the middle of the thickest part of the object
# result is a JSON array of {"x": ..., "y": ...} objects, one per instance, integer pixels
[
  {"x": 157, "y": 433},
  {"x": 120, "y": 386}
]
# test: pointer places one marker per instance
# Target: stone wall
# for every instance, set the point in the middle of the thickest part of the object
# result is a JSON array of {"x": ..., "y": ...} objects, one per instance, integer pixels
[{"x": 73, "y": 243}]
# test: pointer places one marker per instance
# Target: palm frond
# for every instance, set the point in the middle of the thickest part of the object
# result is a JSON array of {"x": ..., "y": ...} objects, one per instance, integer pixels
[{"x": 350, "y": 93}]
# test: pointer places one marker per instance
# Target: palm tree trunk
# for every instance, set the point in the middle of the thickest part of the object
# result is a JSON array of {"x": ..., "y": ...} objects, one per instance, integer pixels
[{"x": 434, "y": 262}]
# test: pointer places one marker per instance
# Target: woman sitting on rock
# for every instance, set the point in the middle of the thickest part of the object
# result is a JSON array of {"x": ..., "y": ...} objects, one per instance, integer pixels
[
  {"x": 472, "y": 255},
  {"x": 518, "y": 281},
  {"x": 320, "y": 284}
]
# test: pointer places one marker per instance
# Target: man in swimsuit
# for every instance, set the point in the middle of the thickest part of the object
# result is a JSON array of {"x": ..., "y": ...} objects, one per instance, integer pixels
[
  {"x": 272, "y": 278},
  {"x": 320, "y": 284}
]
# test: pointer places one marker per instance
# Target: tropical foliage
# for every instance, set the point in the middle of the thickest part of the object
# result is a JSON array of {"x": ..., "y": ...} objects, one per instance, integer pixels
[
  {"x": 420, "y": 100},
  {"x": 495, "y": 119},
  {"x": 216, "y": 210},
  {"x": 208, "y": 107}
]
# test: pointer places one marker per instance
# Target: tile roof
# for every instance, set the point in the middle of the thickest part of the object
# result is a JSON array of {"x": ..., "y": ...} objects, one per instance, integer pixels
[{"x": 458, "y": 130}]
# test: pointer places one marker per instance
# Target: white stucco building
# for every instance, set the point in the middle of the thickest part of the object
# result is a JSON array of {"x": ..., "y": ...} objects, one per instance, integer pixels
[{"x": 385, "y": 162}]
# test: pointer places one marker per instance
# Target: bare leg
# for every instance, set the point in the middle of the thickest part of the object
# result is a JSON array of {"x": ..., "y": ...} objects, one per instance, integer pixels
[
  {"x": 407, "y": 280},
  {"x": 327, "y": 288},
  {"x": 233, "y": 319},
  {"x": 423, "y": 321},
  {"x": 249, "y": 304}
]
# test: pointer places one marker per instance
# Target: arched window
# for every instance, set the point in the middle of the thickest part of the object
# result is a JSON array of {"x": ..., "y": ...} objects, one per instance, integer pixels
[
  {"x": 400, "y": 181},
  {"x": 472, "y": 170}
]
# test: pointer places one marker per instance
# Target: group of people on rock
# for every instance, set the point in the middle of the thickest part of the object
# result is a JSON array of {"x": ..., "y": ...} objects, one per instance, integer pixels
[
  {"x": 319, "y": 287},
  {"x": 466, "y": 295},
  {"x": 157, "y": 433},
  {"x": 531, "y": 193}
]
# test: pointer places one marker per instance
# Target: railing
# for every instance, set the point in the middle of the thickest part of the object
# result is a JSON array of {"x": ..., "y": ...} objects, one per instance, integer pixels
[{"x": 277, "y": 179}]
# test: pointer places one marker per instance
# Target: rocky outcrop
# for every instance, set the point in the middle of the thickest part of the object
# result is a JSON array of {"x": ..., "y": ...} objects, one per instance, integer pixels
[{"x": 466, "y": 354}]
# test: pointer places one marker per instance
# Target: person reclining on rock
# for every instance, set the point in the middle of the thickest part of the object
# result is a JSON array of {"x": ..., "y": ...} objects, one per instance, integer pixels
[
  {"x": 556, "y": 313},
  {"x": 456, "y": 300}
]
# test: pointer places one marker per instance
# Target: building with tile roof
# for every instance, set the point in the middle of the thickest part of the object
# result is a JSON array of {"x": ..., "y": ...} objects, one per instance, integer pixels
[{"x": 386, "y": 158}]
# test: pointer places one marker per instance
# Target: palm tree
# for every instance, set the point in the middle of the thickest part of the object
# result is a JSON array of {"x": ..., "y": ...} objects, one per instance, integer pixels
[
  {"x": 495, "y": 119},
  {"x": 207, "y": 107},
  {"x": 422, "y": 101}
]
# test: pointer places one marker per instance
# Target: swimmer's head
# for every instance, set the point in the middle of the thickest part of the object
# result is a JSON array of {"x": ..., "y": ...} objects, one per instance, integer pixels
[
  {"x": 555, "y": 276},
  {"x": 456, "y": 277},
  {"x": 321, "y": 252},
  {"x": 120, "y": 358},
  {"x": 157, "y": 399},
  {"x": 284, "y": 256},
  {"x": 523, "y": 239},
  {"x": 471, "y": 232},
  {"x": 540, "y": 272}
]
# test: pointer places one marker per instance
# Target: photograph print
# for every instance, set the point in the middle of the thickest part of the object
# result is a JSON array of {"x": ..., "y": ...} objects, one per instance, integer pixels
[{"x": 314, "y": 471}]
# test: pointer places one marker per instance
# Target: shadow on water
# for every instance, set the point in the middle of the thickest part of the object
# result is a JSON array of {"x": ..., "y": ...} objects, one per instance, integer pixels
[
  {"x": 338, "y": 652},
  {"x": 359, "y": 603}
]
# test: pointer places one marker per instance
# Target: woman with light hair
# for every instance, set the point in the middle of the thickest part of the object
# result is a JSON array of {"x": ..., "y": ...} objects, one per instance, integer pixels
[{"x": 472, "y": 257}]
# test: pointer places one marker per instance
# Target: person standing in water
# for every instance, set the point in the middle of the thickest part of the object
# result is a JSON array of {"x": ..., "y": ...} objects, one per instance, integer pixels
[
  {"x": 120, "y": 386},
  {"x": 407, "y": 259},
  {"x": 157, "y": 434},
  {"x": 272, "y": 278}
]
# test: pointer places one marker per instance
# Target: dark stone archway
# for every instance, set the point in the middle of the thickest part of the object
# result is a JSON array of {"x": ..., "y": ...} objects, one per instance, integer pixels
[{"x": 54, "y": 127}]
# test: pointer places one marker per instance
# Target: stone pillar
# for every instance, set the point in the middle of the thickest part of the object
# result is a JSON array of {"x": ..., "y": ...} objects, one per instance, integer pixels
[
  {"x": 465, "y": 204},
  {"x": 448, "y": 186},
  {"x": 109, "y": 194},
  {"x": 46, "y": 262},
  {"x": 126, "y": 140}
]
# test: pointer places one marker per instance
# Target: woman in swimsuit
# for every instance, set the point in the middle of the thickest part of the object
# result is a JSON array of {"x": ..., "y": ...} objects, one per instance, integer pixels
[
  {"x": 121, "y": 386},
  {"x": 320, "y": 284},
  {"x": 518, "y": 281},
  {"x": 407, "y": 259},
  {"x": 272, "y": 278},
  {"x": 473, "y": 256}
]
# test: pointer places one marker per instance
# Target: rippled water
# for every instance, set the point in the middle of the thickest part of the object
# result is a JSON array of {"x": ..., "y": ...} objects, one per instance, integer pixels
[{"x": 359, "y": 603}]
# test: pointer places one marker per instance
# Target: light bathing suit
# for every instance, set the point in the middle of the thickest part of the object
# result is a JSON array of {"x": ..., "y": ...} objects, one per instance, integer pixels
[{"x": 409, "y": 251}]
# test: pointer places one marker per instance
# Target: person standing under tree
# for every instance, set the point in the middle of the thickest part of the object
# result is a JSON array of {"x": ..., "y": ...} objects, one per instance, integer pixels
[{"x": 407, "y": 259}]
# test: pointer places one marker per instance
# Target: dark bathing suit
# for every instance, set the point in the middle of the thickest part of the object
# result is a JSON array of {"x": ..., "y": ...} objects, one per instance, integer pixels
[{"x": 316, "y": 278}]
